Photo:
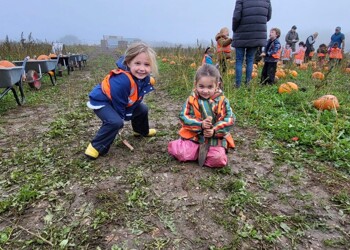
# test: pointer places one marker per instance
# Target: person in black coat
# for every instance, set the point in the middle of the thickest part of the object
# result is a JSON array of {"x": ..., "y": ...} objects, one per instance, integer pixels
[{"x": 249, "y": 26}]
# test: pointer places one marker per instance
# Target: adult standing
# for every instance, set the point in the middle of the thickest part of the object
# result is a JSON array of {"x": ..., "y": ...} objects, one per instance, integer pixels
[
  {"x": 292, "y": 37},
  {"x": 310, "y": 46},
  {"x": 249, "y": 32},
  {"x": 339, "y": 38}
]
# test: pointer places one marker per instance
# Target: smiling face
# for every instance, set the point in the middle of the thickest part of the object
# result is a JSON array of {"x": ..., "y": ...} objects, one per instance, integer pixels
[
  {"x": 140, "y": 66},
  {"x": 206, "y": 86}
]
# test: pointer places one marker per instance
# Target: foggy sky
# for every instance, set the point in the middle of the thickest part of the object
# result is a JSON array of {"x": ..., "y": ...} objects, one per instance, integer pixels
[{"x": 176, "y": 21}]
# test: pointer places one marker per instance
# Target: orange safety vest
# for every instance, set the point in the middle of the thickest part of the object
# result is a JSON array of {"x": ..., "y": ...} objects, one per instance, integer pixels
[
  {"x": 300, "y": 55},
  {"x": 204, "y": 59},
  {"x": 225, "y": 49},
  {"x": 311, "y": 54},
  {"x": 335, "y": 53},
  {"x": 286, "y": 53},
  {"x": 321, "y": 54},
  {"x": 106, "y": 87},
  {"x": 187, "y": 134},
  {"x": 277, "y": 55}
]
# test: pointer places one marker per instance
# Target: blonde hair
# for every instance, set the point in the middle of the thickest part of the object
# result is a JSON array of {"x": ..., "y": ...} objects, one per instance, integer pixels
[
  {"x": 137, "y": 48},
  {"x": 224, "y": 30},
  {"x": 207, "y": 70}
]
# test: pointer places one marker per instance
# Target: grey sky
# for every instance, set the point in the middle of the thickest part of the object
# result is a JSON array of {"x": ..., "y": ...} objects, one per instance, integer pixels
[{"x": 180, "y": 21}]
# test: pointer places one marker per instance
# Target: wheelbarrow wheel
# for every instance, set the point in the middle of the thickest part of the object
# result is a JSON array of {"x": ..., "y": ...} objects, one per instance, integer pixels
[{"x": 33, "y": 79}]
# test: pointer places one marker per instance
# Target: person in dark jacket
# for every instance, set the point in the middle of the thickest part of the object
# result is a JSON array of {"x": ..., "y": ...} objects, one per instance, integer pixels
[
  {"x": 249, "y": 32},
  {"x": 292, "y": 37},
  {"x": 271, "y": 54}
]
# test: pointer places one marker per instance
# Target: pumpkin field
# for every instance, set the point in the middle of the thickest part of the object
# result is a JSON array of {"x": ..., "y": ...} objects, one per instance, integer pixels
[{"x": 286, "y": 185}]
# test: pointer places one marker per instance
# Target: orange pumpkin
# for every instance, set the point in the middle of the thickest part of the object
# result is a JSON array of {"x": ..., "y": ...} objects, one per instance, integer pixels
[
  {"x": 152, "y": 80},
  {"x": 6, "y": 64},
  {"x": 254, "y": 74},
  {"x": 43, "y": 57},
  {"x": 347, "y": 70},
  {"x": 293, "y": 73},
  {"x": 303, "y": 66},
  {"x": 164, "y": 60},
  {"x": 318, "y": 75},
  {"x": 280, "y": 74},
  {"x": 52, "y": 55},
  {"x": 193, "y": 65},
  {"x": 231, "y": 72},
  {"x": 172, "y": 62},
  {"x": 327, "y": 102},
  {"x": 287, "y": 87}
]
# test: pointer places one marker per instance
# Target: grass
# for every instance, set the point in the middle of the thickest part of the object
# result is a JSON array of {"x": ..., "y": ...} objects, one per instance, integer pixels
[{"x": 83, "y": 204}]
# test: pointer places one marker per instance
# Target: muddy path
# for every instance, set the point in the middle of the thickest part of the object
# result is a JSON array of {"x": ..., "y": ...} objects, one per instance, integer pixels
[{"x": 144, "y": 199}]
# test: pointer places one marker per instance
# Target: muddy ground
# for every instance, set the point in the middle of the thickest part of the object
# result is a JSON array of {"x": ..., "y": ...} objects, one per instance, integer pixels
[{"x": 181, "y": 206}]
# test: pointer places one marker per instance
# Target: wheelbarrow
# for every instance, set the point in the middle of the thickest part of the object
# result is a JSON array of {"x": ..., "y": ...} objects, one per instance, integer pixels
[
  {"x": 75, "y": 60},
  {"x": 63, "y": 60},
  {"x": 36, "y": 69},
  {"x": 84, "y": 58},
  {"x": 12, "y": 77}
]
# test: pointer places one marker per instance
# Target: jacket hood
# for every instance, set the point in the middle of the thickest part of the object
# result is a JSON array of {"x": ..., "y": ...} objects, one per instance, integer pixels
[{"x": 121, "y": 63}]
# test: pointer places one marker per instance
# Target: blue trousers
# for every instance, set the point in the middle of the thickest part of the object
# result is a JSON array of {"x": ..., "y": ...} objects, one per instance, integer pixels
[
  {"x": 112, "y": 123},
  {"x": 249, "y": 54}
]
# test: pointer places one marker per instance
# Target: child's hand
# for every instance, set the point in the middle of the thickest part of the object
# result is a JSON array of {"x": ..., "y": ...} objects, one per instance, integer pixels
[
  {"x": 208, "y": 132},
  {"x": 207, "y": 123},
  {"x": 263, "y": 54}
]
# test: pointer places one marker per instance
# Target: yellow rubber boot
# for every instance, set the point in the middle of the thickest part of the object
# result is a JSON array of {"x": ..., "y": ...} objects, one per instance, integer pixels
[
  {"x": 151, "y": 132},
  {"x": 91, "y": 152}
]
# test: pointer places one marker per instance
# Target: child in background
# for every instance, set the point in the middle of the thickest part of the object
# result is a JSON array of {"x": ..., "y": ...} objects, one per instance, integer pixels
[
  {"x": 286, "y": 55},
  {"x": 335, "y": 54},
  {"x": 119, "y": 96},
  {"x": 299, "y": 54},
  {"x": 205, "y": 114},
  {"x": 321, "y": 54},
  {"x": 271, "y": 56},
  {"x": 223, "y": 49},
  {"x": 208, "y": 56}
]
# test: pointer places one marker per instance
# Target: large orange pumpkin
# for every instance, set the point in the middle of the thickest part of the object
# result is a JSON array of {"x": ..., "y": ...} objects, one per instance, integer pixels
[
  {"x": 326, "y": 102},
  {"x": 318, "y": 75},
  {"x": 347, "y": 70},
  {"x": 43, "y": 57},
  {"x": 287, "y": 87},
  {"x": 6, "y": 64},
  {"x": 51, "y": 55}
]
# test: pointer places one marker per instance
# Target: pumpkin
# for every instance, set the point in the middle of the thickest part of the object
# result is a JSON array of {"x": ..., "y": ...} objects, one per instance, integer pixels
[
  {"x": 327, "y": 102},
  {"x": 231, "y": 72},
  {"x": 318, "y": 75},
  {"x": 52, "y": 55},
  {"x": 152, "y": 80},
  {"x": 254, "y": 74},
  {"x": 280, "y": 74},
  {"x": 172, "y": 62},
  {"x": 287, "y": 87},
  {"x": 6, "y": 64},
  {"x": 347, "y": 70},
  {"x": 164, "y": 60},
  {"x": 193, "y": 65},
  {"x": 43, "y": 57},
  {"x": 293, "y": 73},
  {"x": 303, "y": 66}
]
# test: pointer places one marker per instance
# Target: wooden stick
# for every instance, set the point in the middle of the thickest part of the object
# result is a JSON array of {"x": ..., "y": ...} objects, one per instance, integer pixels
[
  {"x": 34, "y": 234},
  {"x": 126, "y": 143}
]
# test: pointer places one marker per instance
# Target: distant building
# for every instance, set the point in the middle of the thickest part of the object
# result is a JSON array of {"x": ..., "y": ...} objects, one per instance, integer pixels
[{"x": 113, "y": 42}]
